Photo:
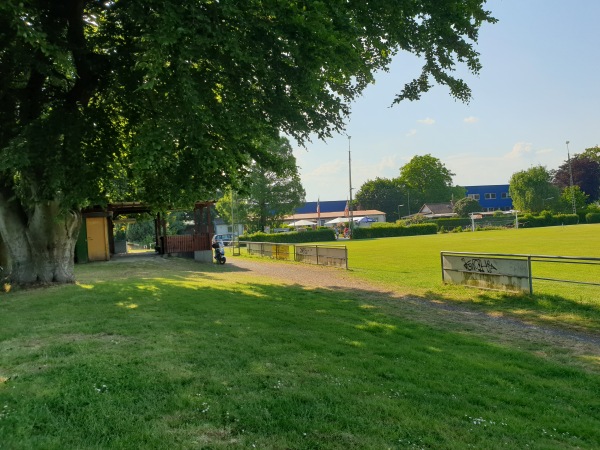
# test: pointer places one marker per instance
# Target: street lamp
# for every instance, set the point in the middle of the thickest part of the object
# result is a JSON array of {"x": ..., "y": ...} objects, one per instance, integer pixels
[
  {"x": 571, "y": 179},
  {"x": 350, "y": 182},
  {"x": 407, "y": 198},
  {"x": 399, "y": 211}
]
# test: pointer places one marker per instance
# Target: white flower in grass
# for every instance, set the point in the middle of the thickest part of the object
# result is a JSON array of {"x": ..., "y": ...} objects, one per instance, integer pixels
[{"x": 102, "y": 389}]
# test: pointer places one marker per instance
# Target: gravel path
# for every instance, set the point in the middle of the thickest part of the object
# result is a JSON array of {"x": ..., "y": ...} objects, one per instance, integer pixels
[{"x": 433, "y": 312}]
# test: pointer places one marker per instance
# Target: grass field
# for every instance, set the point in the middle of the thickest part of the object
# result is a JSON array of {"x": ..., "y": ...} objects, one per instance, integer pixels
[
  {"x": 168, "y": 353},
  {"x": 412, "y": 265}
]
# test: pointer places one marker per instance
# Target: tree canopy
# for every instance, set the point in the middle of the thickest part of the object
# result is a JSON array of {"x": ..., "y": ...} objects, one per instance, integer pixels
[
  {"x": 427, "y": 180},
  {"x": 466, "y": 206},
  {"x": 166, "y": 101},
  {"x": 383, "y": 194},
  {"x": 266, "y": 196},
  {"x": 586, "y": 175},
  {"x": 529, "y": 189}
]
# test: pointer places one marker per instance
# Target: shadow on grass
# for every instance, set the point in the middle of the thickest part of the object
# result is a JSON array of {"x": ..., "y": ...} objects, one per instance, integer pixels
[
  {"x": 540, "y": 309},
  {"x": 176, "y": 360}
]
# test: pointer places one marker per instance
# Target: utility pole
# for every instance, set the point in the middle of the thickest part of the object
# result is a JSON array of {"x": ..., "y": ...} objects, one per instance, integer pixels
[
  {"x": 350, "y": 183},
  {"x": 571, "y": 180},
  {"x": 232, "y": 219}
]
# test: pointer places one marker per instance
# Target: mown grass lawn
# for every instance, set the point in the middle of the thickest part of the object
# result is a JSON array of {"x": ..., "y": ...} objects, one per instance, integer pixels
[
  {"x": 412, "y": 265},
  {"x": 169, "y": 353}
]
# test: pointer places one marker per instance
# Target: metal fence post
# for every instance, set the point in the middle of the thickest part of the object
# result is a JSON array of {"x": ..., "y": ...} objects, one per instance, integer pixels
[
  {"x": 442, "y": 265},
  {"x": 530, "y": 279}
]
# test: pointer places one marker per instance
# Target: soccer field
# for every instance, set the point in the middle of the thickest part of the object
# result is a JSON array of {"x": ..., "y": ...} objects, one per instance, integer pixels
[{"x": 412, "y": 265}]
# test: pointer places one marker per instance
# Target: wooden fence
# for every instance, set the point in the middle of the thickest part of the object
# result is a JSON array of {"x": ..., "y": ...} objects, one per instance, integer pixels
[{"x": 186, "y": 243}]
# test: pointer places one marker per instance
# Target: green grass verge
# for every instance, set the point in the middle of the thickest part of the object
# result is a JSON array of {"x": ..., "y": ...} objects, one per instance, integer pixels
[{"x": 175, "y": 354}]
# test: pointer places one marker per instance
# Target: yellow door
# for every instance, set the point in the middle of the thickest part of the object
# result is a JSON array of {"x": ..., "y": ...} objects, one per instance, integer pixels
[{"x": 97, "y": 238}]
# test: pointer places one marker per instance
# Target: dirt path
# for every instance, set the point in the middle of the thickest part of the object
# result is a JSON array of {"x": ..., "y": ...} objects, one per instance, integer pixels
[{"x": 571, "y": 346}]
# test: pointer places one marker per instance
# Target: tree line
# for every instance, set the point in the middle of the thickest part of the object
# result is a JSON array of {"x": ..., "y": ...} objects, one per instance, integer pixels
[
  {"x": 573, "y": 187},
  {"x": 425, "y": 179}
]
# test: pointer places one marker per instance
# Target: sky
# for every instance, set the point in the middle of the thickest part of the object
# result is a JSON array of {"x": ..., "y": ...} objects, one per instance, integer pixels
[{"x": 539, "y": 87}]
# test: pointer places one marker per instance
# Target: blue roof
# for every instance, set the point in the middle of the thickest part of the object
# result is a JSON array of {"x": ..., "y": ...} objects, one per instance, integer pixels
[{"x": 329, "y": 206}]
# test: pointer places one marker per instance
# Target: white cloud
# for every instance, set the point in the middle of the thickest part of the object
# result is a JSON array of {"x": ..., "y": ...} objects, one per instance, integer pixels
[
  {"x": 471, "y": 119},
  {"x": 411, "y": 133},
  {"x": 519, "y": 150},
  {"x": 475, "y": 169},
  {"x": 387, "y": 162},
  {"x": 427, "y": 121},
  {"x": 329, "y": 168}
]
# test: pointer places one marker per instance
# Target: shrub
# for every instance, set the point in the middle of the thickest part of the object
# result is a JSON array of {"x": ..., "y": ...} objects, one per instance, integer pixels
[
  {"x": 395, "y": 230},
  {"x": 452, "y": 223},
  {"x": 293, "y": 237},
  {"x": 546, "y": 220},
  {"x": 592, "y": 217}
]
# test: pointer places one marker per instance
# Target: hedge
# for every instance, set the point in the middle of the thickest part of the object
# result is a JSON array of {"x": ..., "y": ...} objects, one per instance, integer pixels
[
  {"x": 487, "y": 221},
  {"x": 526, "y": 220},
  {"x": 395, "y": 230},
  {"x": 548, "y": 220},
  {"x": 592, "y": 217},
  {"x": 292, "y": 237}
]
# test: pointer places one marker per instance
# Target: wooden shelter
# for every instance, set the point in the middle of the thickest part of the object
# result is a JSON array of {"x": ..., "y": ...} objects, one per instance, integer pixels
[{"x": 96, "y": 238}]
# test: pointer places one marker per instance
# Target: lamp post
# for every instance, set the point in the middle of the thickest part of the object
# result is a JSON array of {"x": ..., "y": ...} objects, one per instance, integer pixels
[
  {"x": 571, "y": 180},
  {"x": 407, "y": 197},
  {"x": 399, "y": 211},
  {"x": 350, "y": 183}
]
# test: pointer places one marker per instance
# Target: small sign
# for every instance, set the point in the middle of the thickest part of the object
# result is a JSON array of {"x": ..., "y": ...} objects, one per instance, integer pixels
[{"x": 509, "y": 274}]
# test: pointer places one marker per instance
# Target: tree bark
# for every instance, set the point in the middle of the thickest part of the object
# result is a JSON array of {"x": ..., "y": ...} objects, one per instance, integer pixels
[{"x": 40, "y": 242}]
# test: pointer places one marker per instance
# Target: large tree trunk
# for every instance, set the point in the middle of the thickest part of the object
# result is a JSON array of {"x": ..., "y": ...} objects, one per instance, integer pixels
[{"x": 40, "y": 242}]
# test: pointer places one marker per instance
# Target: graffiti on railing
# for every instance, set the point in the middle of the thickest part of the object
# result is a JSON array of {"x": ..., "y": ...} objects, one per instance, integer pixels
[{"x": 479, "y": 265}]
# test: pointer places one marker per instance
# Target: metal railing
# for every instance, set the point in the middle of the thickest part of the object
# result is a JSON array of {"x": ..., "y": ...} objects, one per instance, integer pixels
[
  {"x": 324, "y": 255},
  {"x": 491, "y": 266}
]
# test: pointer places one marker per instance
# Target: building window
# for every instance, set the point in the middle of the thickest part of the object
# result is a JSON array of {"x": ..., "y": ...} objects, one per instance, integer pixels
[
  {"x": 473, "y": 196},
  {"x": 505, "y": 195},
  {"x": 491, "y": 196}
]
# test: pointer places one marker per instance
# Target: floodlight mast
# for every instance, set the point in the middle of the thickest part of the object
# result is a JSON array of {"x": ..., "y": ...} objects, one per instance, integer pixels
[
  {"x": 350, "y": 182},
  {"x": 571, "y": 180}
]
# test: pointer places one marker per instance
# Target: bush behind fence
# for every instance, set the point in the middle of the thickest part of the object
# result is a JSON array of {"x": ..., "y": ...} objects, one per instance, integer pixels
[
  {"x": 525, "y": 220},
  {"x": 391, "y": 230},
  {"x": 293, "y": 237}
]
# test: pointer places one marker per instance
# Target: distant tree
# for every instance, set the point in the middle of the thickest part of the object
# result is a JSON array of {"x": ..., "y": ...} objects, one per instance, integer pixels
[
  {"x": 565, "y": 201},
  {"x": 233, "y": 203},
  {"x": 465, "y": 206},
  {"x": 266, "y": 196},
  {"x": 529, "y": 188},
  {"x": 142, "y": 231},
  {"x": 592, "y": 153},
  {"x": 383, "y": 194},
  {"x": 427, "y": 180},
  {"x": 586, "y": 175}
]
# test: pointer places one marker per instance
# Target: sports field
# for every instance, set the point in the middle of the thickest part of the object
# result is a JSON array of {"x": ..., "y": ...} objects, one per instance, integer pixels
[{"x": 412, "y": 265}]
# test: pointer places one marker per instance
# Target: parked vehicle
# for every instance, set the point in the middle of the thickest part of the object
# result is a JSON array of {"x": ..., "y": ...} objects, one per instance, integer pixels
[
  {"x": 226, "y": 238},
  {"x": 219, "y": 252}
]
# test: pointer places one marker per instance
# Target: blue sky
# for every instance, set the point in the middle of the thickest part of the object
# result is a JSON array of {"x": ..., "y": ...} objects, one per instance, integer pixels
[{"x": 538, "y": 88}]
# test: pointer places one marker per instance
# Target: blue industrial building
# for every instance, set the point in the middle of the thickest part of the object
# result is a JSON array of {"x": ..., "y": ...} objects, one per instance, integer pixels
[
  {"x": 325, "y": 207},
  {"x": 492, "y": 197}
]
